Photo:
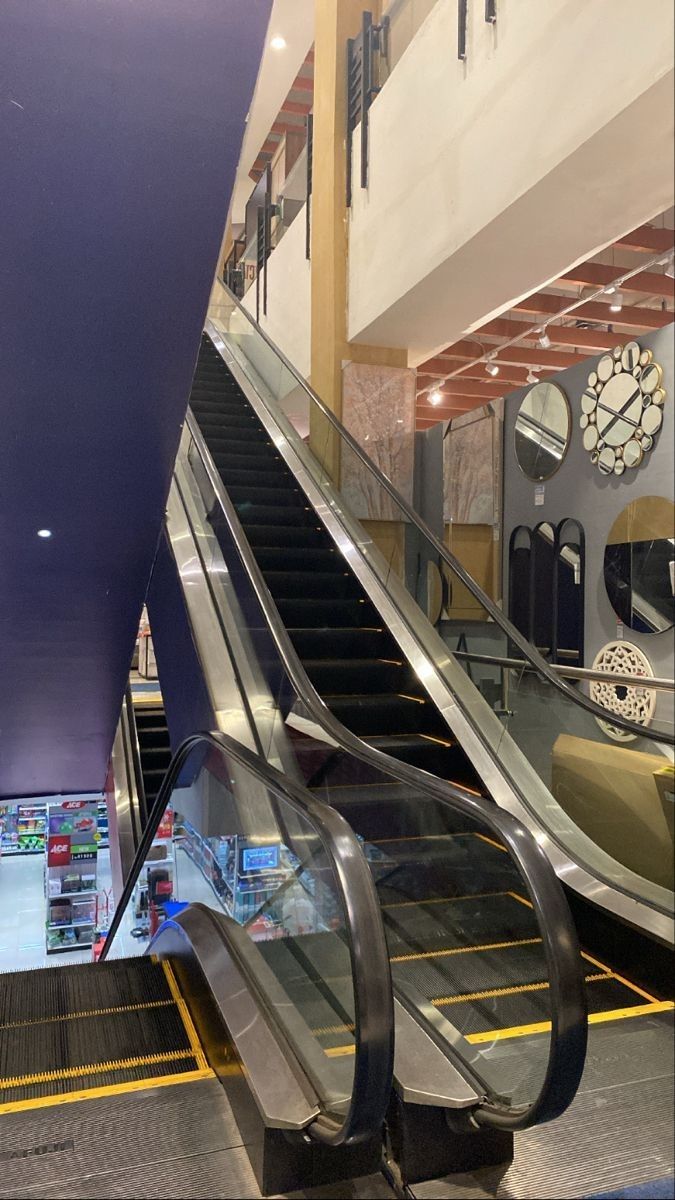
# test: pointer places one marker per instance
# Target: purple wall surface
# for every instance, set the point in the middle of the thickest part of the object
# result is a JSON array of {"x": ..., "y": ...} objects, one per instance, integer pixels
[{"x": 120, "y": 128}]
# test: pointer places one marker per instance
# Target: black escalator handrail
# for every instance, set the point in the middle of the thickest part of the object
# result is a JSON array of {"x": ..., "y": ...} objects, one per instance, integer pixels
[
  {"x": 371, "y": 972},
  {"x": 537, "y": 661},
  {"x": 567, "y": 1048}
]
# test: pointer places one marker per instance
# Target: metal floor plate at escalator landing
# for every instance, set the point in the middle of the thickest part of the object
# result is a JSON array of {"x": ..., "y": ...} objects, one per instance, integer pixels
[
  {"x": 161, "y": 1143},
  {"x": 618, "y": 1133}
]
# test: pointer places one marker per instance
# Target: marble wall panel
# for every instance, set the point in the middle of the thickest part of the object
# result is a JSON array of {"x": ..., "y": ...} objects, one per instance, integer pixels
[
  {"x": 469, "y": 471},
  {"x": 378, "y": 409}
]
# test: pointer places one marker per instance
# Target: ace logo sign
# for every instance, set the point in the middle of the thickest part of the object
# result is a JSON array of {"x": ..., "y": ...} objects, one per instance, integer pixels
[{"x": 58, "y": 851}]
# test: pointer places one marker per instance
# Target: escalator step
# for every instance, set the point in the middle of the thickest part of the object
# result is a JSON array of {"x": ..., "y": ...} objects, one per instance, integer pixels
[
  {"x": 273, "y": 478},
  {"x": 264, "y": 494},
  {"x": 288, "y": 585},
  {"x": 361, "y": 643},
  {"x": 435, "y": 756},
  {"x": 269, "y": 514},
  {"x": 374, "y": 715},
  {"x": 285, "y": 535},
  {"x": 216, "y": 432},
  {"x": 271, "y": 558},
  {"x": 325, "y": 613},
  {"x": 113, "y": 1076},
  {"x": 31, "y": 995},
  {"x": 335, "y": 676},
  {"x": 227, "y": 460}
]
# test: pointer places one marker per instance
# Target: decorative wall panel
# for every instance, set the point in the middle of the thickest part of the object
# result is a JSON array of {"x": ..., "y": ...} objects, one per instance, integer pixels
[{"x": 378, "y": 409}]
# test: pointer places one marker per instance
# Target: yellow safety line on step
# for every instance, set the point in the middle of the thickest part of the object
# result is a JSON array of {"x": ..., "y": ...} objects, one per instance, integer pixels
[
  {"x": 338, "y": 1051},
  {"x": 439, "y": 742},
  {"x": 417, "y": 699},
  {"x": 484, "y": 838},
  {"x": 419, "y": 837},
  {"x": 520, "y": 899},
  {"x": 633, "y": 987},
  {"x": 118, "y": 1064},
  {"x": 111, "y": 1089},
  {"x": 465, "y": 950},
  {"x": 88, "y": 1012},
  {"x": 186, "y": 1017},
  {"x": 324, "y": 1030},
  {"x": 599, "y": 1018},
  {"x": 489, "y": 993},
  {"x": 442, "y": 900}
]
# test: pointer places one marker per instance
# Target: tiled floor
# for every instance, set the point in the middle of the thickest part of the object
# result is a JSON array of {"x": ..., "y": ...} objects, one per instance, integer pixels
[
  {"x": 23, "y": 911},
  {"x": 23, "y": 905}
]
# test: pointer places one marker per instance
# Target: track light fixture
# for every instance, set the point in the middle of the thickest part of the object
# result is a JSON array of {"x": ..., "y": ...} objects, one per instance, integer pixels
[
  {"x": 532, "y": 376},
  {"x": 544, "y": 339},
  {"x": 617, "y": 302},
  {"x": 492, "y": 367},
  {"x": 435, "y": 397}
]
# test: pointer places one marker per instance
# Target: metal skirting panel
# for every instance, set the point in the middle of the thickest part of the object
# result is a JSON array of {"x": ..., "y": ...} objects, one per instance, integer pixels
[
  {"x": 178, "y": 1141},
  {"x": 617, "y": 1134}
]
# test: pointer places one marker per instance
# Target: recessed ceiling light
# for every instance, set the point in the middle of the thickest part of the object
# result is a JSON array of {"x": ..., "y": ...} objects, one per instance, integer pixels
[
  {"x": 44, "y": 533},
  {"x": 278, "y": 42},
  {"x": 435, "y": 397}
]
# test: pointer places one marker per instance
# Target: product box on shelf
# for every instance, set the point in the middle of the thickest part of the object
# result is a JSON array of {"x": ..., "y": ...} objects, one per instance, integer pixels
[{"x": 70, "y": 876}]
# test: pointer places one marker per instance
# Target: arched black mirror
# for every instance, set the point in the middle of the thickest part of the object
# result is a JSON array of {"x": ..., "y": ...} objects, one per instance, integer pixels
[
  {"x": 542, "y": 567},
  {"x": 570, "y": 574},
  {"x": 520, "y": 609}
]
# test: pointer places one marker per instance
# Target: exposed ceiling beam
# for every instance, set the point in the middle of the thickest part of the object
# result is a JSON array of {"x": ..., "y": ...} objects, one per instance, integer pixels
[
  {"x": 295, "y": 106},
  {"x": 561, "y": 335},
  {"x": 630, "y": 316},
  {"x": 302, "y": 84},
  {"x": 649, "y": 238},
  {"x": 523, "y": 356},
  {"x": 592, "y": 274}
]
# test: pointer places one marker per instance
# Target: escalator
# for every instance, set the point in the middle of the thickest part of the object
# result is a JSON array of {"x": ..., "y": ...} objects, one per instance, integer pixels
[
  {"x": 190, "y": 1070},
  {"x": 467, "y": 940},
  {"x": 154, "y": 748}
]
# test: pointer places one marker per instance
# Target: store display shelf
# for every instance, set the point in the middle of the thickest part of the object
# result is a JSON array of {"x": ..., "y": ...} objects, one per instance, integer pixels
[
  {"x": 156, "y": 862},
  {"x": 64, "y": 949},
  {"x": 71, "y": 924},
  {"x": 69, "y": 895},
  {"x": 19, "y": 850}
]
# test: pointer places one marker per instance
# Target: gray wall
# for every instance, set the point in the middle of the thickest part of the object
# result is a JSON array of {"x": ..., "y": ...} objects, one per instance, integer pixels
[{"x": 579, "y": 490}]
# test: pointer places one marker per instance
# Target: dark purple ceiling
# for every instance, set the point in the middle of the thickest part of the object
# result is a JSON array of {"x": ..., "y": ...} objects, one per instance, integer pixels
[{"x": 120, "y": 126}]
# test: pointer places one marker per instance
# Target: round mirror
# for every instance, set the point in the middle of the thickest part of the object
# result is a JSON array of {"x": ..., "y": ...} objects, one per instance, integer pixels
[
  {"x": 542, "y": 431},
  {"x": 640, "y": 565},
  {"x": 622, "y": 408}
]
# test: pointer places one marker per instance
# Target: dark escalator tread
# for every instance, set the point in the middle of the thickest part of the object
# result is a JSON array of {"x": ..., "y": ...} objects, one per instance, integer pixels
[
  {"x": 33, "y": 995},
  {"x": 374, "y": 715},
  {"x": 437, "y": 755},
  {"x": 285, "y": 535},
  {"x": 264, "y": 494},
  {"x": 474, "y": 972},
  {"x": 367, "y": 642},
  {"x": 321, "y": 612},
  {"x": 100, "y": 1078},
  {"x": 305, "y": 584},
  {"x": 425, "y": 871},
  {"x": 477, "y": 920},
  {"x": 271, "y": 515},
  {"x": 250, "y": 478},
  {"x": 345, "y": 677},
  {"x": 232, "y": 461},
  {"x": 275, "y": 558},
  {"x": 108, "y": 1037}
]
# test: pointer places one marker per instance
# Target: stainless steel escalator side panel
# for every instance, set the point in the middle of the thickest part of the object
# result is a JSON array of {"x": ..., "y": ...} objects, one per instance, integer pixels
[
  {"x": 423, "y": 1074},
  {"x": 282, "y": 1095},
  {"x": 263, "y": 710},
  {"x": 126, "y": 831},
  {"x": 511, "y": 780},
  {"x": 219, "y": 675}
]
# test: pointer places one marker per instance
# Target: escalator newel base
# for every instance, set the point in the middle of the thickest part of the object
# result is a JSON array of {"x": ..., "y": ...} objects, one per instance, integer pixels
[{"x": 423, "y": 1144}]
